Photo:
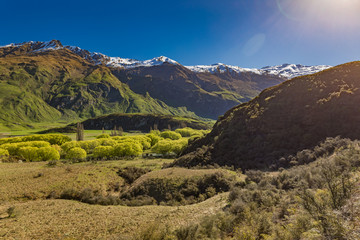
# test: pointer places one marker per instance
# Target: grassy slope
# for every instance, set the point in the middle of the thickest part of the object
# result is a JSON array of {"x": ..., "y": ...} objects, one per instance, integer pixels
[{"x": 59, "y": 85}]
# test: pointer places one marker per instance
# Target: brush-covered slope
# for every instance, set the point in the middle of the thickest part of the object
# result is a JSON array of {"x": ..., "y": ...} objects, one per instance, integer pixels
[
  {"x": 207, "y": 94},
  {"x": 137, "y": 122},
  {"x": 38, "y": 85},
  {"x": 282, "y": 120}
]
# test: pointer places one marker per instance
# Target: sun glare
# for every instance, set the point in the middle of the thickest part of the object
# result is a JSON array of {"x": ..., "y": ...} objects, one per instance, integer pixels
[{"x": 331, "y": 14}]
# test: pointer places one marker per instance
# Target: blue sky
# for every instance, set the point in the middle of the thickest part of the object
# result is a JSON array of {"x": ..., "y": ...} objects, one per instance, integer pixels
[{"x": 237, "y": 32}]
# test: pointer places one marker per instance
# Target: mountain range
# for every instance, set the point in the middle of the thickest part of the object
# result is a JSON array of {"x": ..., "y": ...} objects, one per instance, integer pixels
[
  {"x": 286, "y": 70},
  {"x": 46, "y": 81}
]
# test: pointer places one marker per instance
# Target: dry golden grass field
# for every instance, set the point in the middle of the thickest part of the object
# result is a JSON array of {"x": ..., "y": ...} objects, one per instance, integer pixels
[{"x": 26, "y": 213}]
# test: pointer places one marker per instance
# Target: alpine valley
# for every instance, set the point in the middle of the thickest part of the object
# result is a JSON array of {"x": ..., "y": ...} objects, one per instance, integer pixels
[{"x": 49, "y": 82}]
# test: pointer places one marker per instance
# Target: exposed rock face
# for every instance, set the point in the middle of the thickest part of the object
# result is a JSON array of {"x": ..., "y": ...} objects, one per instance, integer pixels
[{"x": 283, "y": 120}]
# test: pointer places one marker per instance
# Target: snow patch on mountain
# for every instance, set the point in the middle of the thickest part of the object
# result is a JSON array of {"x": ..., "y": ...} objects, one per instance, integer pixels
[
  {"x": 132, "y": 63},
  {"x": 293, "y": 70},
  {"x": 285, "y": 70},
  {"x": 38, "y": 46},
  {"x": 221, "y": 68}
]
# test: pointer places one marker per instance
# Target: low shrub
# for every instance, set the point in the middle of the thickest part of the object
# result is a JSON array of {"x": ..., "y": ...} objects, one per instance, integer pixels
[
  {"x": 103, "y": 152},
  {"x": 76, "y": 153},
  {"x": 170, "y": 135},
  {"x": 30, "y": 154},
  {"x": 89, "y": 145},
  {"x": 154, "y": 138},
  {"x": 188, "y": 132},
  {"x": 69, "y": 145},
  {"x": 48, "y": 153},
  {"x": 130, "y": 174},
  {"x": 167, "y": 146},
  {"x": 106, "y": 141},
  {"x": 4, "y": 152},
  {"x": 103, "y": 136},
  {"x": 124, "y": 149}
]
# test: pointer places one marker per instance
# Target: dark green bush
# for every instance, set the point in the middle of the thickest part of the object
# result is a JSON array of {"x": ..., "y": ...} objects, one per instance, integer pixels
[
  {"x": 180, "y": 191},
  {"x": 130, "y": 174}
]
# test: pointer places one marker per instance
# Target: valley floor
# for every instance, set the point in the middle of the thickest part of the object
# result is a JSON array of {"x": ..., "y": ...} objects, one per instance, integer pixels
[
  {"x": 26, "y": 213},
  {"x": 66, "y": 219}
]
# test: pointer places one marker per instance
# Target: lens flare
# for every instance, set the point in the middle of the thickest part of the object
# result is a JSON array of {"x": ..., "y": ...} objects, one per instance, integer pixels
[{"x": 322, "y": 13}]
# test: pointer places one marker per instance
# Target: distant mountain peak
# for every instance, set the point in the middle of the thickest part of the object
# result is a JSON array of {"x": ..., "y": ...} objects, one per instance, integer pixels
[
  {"x": 293, "y": 70},
  {"x": 221, "y": 68},
  {"x": 133, "y": 63},
  {"x": 38, "y": 46}
]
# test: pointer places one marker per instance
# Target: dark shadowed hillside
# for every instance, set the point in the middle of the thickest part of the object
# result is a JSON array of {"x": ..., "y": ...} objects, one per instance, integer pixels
[
  {"x": 138, "y": 122},
  {"x": 282, "y": 120}
]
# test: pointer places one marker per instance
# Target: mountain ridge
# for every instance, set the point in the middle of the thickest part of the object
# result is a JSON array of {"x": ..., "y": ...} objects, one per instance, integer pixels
[
  {"x": 95, "y": 84},
  {"x": 285, "y": 70}
]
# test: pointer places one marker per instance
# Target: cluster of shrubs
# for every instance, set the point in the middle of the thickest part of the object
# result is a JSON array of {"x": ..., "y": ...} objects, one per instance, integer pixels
[
  {"x": 55, "y": 146},
  {"x": 325, "y": 148},
  {"x": 107, "y": 147},
  {"x": 33, "y": 147},
  {"x": 53, "y": 139}
]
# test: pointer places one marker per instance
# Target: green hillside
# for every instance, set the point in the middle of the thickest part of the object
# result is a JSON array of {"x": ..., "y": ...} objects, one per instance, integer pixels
[{"x": 61, "y": 86}]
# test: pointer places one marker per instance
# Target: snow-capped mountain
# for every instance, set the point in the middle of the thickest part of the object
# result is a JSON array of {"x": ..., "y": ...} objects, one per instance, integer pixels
[
  {"x": 132, "y": 63},
  {"x": 286, "y": 70},
  {"x": 38, "y": 46},
  {"x": 221, "y": 68},
  {"x": 293, "y": 70}
]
